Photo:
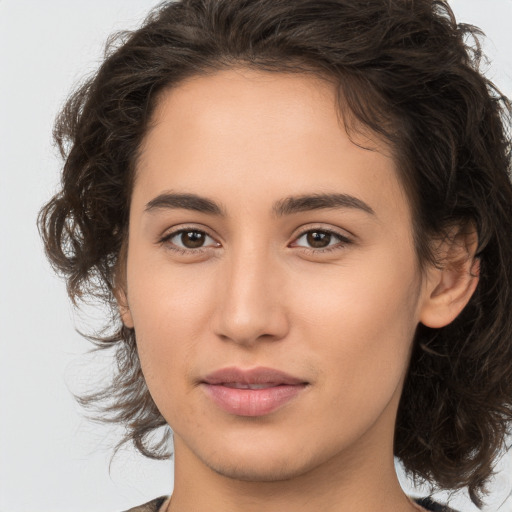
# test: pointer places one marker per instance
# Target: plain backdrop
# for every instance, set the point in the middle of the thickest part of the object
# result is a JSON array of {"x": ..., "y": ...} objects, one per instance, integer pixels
[{"x": 51, "y": 458}]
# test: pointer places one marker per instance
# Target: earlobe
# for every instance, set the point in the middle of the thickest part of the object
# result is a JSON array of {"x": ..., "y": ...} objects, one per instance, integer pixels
[
  {"x": 123, "y": 307},
  {"x": 125, "y": 313},
  {"x": 449, "y": 288}
]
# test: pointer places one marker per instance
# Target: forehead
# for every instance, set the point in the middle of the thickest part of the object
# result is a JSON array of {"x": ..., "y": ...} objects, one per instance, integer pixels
[
  {"x": 281, "y": 131},
  {"x": 243, "y": 101},
  {"x": 239, "y": 91}
]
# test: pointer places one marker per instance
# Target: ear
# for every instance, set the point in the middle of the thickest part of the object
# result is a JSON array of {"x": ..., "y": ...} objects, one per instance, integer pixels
[
  {"x": 120, "y": 288},
  {"x": 122, "y": 305},
  {"x": 449, "y": 286}
]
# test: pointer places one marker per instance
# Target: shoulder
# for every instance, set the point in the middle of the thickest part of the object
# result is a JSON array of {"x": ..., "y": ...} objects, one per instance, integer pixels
[
  {"x": 432, "y": 506},
  {"x": 150, "y": 506}
]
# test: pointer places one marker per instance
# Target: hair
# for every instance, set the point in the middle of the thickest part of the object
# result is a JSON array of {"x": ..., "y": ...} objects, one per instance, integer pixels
[{"x": 405, "y": 70}]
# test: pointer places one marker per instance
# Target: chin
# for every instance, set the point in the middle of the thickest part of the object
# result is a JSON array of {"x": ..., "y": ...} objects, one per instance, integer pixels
[
  {"x": 262, "y": 464},
  {"x": 251, "y": 472}
]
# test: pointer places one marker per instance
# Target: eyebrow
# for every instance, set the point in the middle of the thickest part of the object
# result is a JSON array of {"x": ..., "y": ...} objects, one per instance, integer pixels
[
  {"x": 296, "y": 204},
  {"x": 170, "y": 200},
  {"x": 286, "y": 206}
]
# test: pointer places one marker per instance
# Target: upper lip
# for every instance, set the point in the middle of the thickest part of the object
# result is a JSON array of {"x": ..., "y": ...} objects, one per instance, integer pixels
[{"x": 259, "y": 375}]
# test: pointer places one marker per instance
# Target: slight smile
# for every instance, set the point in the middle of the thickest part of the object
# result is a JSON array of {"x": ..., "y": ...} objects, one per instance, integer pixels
[{"x": 255, "y": 392}]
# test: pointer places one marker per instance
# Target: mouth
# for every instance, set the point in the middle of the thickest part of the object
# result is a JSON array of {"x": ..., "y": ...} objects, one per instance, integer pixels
[
  {"x": 240, "y": 385},
  {"x": 254, "y": 392}
]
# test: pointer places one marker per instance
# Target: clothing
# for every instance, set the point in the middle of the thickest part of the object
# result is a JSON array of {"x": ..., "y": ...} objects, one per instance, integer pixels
[
  {"x": 151, "y": 506},
  {"x": 426, "y": 503}
]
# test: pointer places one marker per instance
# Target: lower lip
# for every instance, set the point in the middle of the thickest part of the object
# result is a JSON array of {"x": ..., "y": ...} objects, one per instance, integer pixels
[{"x": 252, "y": 402}]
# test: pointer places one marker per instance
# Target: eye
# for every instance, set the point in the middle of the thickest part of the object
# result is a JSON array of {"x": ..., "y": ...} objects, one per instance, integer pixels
[
  {"x": 321, "y": 239},
  {"x": 189, "y": 239}
]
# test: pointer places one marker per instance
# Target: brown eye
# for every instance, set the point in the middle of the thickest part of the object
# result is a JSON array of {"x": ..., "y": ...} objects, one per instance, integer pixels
[
  {"x": 318, "y": 239},
  {"x": 189, "y": 239},
  {"x": 192, "y": 239}
]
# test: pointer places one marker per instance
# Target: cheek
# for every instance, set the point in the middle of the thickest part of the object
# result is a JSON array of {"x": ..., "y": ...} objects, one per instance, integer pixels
[
  {"x": 170, "y": 311},
  {"x": 361, "y": 322}
]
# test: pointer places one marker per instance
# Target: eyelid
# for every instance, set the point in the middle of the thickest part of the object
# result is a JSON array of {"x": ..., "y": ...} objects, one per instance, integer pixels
[
  {"x": 344, "y": 239},
  {"x": 342, "y": 233},
  {"x": 175, "y": 231}
]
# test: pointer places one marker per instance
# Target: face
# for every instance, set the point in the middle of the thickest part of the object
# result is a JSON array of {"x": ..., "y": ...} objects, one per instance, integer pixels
[{"x": 271, "y": 276}]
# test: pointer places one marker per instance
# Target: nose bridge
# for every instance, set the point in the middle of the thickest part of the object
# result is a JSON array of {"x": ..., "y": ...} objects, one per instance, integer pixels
[{"x": 251, "y": 301}]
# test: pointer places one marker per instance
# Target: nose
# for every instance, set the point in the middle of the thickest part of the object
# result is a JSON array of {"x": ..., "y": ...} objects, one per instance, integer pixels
[{"x": 251, "y": 303}]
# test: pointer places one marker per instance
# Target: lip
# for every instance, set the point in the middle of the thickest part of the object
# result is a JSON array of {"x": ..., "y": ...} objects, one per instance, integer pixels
[{"x": 229, "y": 389}]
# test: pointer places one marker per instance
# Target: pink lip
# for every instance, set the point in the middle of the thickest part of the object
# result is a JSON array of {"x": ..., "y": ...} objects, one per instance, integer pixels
[{"x": 279, "y": 389}]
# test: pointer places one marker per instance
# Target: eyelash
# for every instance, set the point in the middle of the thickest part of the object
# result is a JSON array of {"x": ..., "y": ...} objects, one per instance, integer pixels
[
  {"x": 165, "y": 240},
  {"x": 342, "y": 241}
]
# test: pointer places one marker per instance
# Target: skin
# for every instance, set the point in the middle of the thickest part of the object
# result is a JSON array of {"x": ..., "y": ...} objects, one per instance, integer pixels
[{"x": 258, "y": 294}]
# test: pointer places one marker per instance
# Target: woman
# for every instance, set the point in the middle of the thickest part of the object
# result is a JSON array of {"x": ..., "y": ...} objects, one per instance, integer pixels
[{"x": 300, "y": 214}]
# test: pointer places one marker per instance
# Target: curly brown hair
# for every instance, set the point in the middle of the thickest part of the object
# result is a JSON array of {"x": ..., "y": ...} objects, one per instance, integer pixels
[{"x": 404, "y": 69}]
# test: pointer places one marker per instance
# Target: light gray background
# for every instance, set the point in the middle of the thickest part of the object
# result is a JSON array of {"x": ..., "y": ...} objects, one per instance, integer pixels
[{"x": 51, "y": 459}]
